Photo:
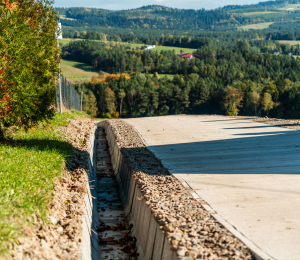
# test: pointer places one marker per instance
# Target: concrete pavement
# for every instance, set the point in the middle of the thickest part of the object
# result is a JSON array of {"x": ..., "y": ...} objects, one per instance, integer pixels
[{"x": 247, "y": 172}]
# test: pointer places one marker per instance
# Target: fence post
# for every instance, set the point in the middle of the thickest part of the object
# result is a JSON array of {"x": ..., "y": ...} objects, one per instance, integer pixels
[
  {"x": 81, "y": 96},
  {"x": 60, "y": 96}
]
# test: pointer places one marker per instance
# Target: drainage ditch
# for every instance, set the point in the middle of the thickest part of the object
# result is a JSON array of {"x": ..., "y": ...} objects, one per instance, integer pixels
[{"x": 114, "y": 233}]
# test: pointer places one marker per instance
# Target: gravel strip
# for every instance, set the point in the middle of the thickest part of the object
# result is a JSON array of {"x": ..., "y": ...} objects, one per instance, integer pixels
[
  {"x": 191, "y": 230},
  {"x": 291, "y": 124},
  {"x": 61, "y": 239}
]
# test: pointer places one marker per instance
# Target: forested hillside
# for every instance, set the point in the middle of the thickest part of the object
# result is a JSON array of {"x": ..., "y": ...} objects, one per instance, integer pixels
[
  {"x": 233, "y": 71},
  {"x": 152, "y": 17},
  {"x": 237, "y": 80}
]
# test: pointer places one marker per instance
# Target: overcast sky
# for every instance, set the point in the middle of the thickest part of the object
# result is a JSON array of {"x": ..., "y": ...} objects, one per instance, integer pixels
[{"x": 129, "y": 4}]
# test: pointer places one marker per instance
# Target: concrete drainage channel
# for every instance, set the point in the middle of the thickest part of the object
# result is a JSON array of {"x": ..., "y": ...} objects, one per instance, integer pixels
[
  {"x": 119, "y": 197},
  {"x": 113, "y": 232},
  {"x": 151, "y": 243}
]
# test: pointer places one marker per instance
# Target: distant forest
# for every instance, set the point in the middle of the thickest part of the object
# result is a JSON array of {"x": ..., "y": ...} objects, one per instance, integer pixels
[
  {"x": 165, "y": 18},
  {"x": 232, "y": 72}
]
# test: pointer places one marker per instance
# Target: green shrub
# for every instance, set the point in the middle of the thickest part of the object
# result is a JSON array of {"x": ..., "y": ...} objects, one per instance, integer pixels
[{"x": 28, "y": 64}]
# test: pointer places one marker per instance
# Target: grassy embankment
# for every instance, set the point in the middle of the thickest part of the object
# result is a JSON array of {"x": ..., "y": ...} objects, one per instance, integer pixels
[
  {"x": 77, "y": 72},
  {"x": 29, "y": 163}
]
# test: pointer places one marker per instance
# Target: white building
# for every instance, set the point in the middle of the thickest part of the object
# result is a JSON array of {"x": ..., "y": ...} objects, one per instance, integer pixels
[{"x": 149, "y": 48}]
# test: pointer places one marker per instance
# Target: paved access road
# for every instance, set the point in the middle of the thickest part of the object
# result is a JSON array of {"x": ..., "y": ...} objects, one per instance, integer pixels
[{"x": 248, "y": 172}]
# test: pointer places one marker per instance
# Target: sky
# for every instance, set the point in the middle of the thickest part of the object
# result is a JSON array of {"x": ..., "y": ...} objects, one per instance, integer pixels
[{"x": 129, "y": 4}]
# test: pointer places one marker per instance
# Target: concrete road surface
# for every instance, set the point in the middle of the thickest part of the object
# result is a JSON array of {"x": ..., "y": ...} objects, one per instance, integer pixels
[{"x": 248, "y": 172}]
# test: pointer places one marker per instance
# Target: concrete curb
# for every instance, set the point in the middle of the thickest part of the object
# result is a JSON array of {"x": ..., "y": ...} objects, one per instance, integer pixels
[
  {"x": 151, "y": 242},
  {"x": 90, "y": 220}
]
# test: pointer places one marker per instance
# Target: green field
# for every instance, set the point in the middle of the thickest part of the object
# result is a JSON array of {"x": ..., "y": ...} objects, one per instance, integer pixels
[
  {"x": 290, "y": 42},
  {"x": 158, "y": 48},
  {"x": 170, "y": 76},
  {"x": 77, "y": 71},
  {"x": 256, "y": 13},
  {"x": 257, "y": 26},
  {"x": 67, "y": 40},
  {"x": 290, "y": 7}
]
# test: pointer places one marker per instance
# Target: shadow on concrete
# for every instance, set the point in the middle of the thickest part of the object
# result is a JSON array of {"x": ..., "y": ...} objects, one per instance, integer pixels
[
  {"x": 274, "y": 152},
  {"x": 251, "y": 127}
]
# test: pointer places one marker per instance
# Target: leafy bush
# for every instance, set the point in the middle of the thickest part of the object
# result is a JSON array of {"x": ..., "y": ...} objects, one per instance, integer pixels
[{"x": 29, "y": 62}]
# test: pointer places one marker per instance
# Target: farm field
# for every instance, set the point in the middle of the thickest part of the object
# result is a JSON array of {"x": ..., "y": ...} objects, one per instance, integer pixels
[
  {"x": 77, "y": 71},
  {"x": 255, "y": 13},
  {"x": 257, "y": 26},
  {"x": 290, "y": 7},
  {"x": 158, "y": 48},
  {"x": 290, "y": 42}
]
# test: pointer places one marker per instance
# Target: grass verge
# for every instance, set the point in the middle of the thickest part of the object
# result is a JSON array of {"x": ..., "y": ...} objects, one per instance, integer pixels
[{"x": 29, "y": 164}]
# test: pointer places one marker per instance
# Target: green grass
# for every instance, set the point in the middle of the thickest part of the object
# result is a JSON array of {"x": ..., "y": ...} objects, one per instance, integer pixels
[
  {"x": 257, "y": 13},
  {"x": 67, "y": 40},
  {"x": 161, "y": 48},
  {"x": 77, "y": 71},
  {"x": 291, "y": 7},
  {"x": 170, "y": 76},
  {"x": 257, "y": 26},
  {"x": 290, "y": 42},
  {"x": 29, "y": 164},
  {"x": 158, "y": 48}
]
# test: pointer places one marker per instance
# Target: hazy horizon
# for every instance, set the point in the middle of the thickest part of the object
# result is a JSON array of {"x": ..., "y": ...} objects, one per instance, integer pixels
[{"x": 130, "y": 4}]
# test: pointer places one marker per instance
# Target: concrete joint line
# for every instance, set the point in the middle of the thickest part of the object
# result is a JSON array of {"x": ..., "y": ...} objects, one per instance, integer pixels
[{"x": 131, "y": 202}]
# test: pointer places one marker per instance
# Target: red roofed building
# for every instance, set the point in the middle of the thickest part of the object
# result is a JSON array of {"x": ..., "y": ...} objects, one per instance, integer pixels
[{"x": 188, "y": 56}]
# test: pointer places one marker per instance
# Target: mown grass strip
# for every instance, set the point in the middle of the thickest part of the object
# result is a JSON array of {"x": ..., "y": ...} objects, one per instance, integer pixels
[{"x": 29, "y": 163}]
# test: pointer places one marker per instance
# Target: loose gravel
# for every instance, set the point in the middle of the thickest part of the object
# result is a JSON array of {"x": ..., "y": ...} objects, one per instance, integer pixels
[{"x": 190, "y": 229}]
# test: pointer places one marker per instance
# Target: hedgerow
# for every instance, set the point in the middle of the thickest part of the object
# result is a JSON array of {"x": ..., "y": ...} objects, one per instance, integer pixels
[{"x": 29, "y": 59}]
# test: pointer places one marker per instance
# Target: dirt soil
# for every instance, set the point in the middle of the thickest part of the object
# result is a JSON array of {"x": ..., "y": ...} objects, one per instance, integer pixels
[
  {"x": 61, "y": 237},
  {"x": 191, "y": 230}
]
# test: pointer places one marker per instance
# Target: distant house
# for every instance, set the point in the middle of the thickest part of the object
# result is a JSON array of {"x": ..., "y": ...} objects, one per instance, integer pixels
[
  {"x": 149, "y": 48},
  {"x": 189, "y": 56},
  {"x": 276, "y": 52},
  {"x": 185, "y": 55}
]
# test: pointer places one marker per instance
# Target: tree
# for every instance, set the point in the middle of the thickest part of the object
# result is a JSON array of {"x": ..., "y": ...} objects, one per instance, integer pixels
[
  {"x": 89, "y": 104},
  {"x": 103, "y": 37},
  {"x": 254, "y": 98},
  {"x": 110, "y": 100},
  {"x": 232, "y": 100},
  {"x": 242, "y": 45},
  {"x": 29, "y": 62},
  {"x": 121, "y": 96},
  {"x": 267, "y": 103}
]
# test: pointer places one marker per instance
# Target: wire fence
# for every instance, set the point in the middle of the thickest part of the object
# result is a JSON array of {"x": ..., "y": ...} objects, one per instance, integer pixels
[{"x": 70, "y": 97}]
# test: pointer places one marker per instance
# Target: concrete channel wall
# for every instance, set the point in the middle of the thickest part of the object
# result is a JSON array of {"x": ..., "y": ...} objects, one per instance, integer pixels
[
  {"x": 151, "y": 242},
  {"x": 90, "y": 219}
]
